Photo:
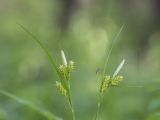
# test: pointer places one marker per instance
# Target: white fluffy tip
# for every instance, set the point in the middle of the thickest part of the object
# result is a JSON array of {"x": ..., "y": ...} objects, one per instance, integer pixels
[
  {"x": 63, "y": 58},
  {"x": 119, "y": 68}
]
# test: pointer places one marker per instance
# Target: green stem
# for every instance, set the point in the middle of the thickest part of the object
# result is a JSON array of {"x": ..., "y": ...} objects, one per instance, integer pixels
[
  {"x": 70, "y": 102},
  {"x": 99, "y": 105},
  {"x": 107, "y": 56}
]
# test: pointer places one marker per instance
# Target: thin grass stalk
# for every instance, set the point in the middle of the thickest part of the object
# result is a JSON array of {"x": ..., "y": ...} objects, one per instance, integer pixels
[
  {"x": 70, "y": 102},
  {"x": 99, "y": 105},
  {"x": 108, "y": 53}
]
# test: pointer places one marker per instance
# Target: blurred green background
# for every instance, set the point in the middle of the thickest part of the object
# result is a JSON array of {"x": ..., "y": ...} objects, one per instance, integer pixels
[{"x": 83, "y": 29}]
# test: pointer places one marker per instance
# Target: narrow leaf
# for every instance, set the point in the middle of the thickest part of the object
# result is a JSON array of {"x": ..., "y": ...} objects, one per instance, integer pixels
[
  {"x": 47, "y": 53},
  {"x": 43, "y": 48},
  {"x": 39, "y": 110},
  {"x": 108, "y": 52}
]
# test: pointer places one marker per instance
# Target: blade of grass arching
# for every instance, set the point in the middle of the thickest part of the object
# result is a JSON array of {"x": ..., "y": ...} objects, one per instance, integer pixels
[
  {"x": 47, "y": 53},
  {"x": 43, "y": 48},
  {"x": 43, "y": 112},
  {"x": 108, "y": 52}
]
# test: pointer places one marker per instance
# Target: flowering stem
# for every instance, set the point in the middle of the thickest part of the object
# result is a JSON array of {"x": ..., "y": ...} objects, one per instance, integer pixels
[
  {"x": 70, "y": 102},
  {"x": 99, "y": 105},
  {"x": 107, "y": 56}
]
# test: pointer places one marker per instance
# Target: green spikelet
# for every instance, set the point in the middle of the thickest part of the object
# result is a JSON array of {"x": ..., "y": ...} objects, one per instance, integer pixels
[
  {"x": 61, "y": 89},
  {"x": 70, "y": 66},
  {"x": 61, "y": 68},
  {"x": 109, "y": 82},
  {"x": 105, "y": 84},
  {"x": 116, "y": 80}
]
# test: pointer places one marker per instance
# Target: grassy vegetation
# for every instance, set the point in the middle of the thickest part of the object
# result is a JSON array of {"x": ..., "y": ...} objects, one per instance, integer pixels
[{"x": 96, "y": 68}]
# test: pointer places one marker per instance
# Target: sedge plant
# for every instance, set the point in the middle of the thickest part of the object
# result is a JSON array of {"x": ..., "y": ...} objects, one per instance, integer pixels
[
  {"x": 63, "y": 86},
  {"x": 108, "y": 81},
  {"x": 64, "y": 71}
]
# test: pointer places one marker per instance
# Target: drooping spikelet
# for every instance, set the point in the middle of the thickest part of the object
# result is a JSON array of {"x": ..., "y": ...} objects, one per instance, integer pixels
[{"x": 61, "y": 89}]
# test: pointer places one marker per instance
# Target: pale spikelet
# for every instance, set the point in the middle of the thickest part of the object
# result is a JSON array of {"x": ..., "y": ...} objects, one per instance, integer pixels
[
  {"x": 61, "y": 89},
  {"x": 119, "y": 68},
  {"x": 61, "y": 68},
  {"x": 64, "y": 58},
  {"x": 66, "y": 69},
  {"x": 105, "y": 84},
  {"x": 116, "y": 80}
]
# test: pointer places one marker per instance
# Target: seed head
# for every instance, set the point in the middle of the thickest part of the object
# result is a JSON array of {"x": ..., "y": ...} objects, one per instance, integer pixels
[
  {"x": 116, "y": 80},
  {"x": 61, "y": 89},
  {"x": 66, "y": 69},
  {"x": 105, "y": 84}
]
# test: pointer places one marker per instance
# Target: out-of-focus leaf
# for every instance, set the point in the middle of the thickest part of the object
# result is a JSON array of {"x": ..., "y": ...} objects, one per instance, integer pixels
[{"x": 43, "y": 112}]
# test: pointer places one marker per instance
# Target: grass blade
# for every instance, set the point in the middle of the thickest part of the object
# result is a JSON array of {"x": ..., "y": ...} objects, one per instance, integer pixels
[
  {"x": 41, "y": 111},
  {"x": 47, "y": 53},
  {"x": 108, "y": 52},
  {"x": 43, "y": 48}
]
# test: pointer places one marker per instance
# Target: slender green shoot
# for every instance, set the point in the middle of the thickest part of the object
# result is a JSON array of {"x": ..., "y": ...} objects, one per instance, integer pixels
[
  {"x": 43, "y": 48},
  {"x": 66, "y": 69},
  {"x": 70, "y": 102},
  {"x": 99, "y": 105},
  {"x": 51, "y": 59},
  {"x": 108, "y": 52},
  {"x": 63, "y": 70},
  {"x": 108, "y": 81}
]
